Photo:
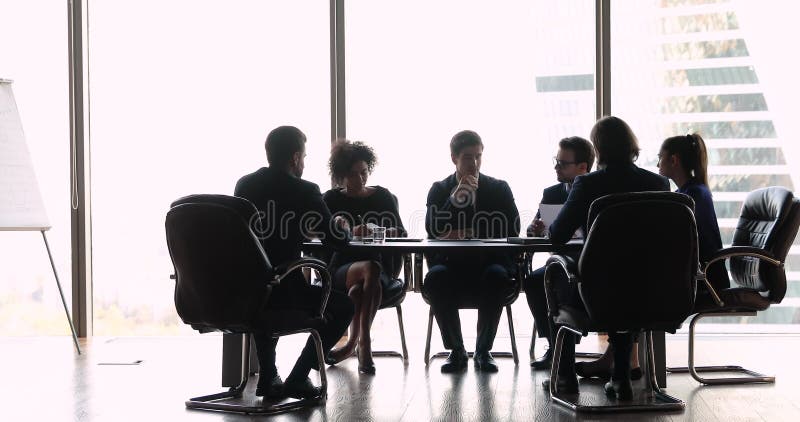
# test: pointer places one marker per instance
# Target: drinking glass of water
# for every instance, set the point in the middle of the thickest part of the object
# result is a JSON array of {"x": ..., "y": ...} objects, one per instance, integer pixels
[{"x": 379, "y": 234}]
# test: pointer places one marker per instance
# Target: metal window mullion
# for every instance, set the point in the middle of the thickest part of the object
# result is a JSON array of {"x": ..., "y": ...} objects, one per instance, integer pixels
[
  {"x": 603, "y": 57},
  {"x": 338, "y": 116},
  {"x": 80, "y": 215}
]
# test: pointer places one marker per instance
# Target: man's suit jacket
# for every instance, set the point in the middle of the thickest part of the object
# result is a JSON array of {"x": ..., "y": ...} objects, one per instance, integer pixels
[
  {"x": 554, "y": 195},
  {"x": 493, "y": 214},
  {"x": 291, "y": 211},
  {"x": 588, "y": 187}
]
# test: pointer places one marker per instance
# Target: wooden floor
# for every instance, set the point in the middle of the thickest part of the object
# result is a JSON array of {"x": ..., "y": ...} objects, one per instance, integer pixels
[{"x": 148, "y": 379}]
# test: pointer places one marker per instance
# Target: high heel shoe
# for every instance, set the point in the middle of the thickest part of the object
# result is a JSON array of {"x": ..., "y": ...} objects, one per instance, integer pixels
[
  {"x": 330, "y": 360},
  {"x": 364, "y": 367}
]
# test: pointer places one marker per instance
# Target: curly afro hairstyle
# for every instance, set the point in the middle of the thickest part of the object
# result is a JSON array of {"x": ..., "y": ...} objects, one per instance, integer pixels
[{"x": 345, "y": 153}]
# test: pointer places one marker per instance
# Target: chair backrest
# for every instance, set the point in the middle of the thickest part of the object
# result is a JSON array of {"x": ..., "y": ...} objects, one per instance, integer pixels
[
  {"x": 769, "y": 220},
  {"x": 221, "y": 270},
  {"x": 640, "y": 260}
]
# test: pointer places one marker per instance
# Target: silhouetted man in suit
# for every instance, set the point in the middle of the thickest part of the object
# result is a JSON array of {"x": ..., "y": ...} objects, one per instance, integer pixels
[
  {"x": 469, "y": 204},
  {"x": 291, "y": 211},
  {"x": 617, "y": 148},
  {"x": 575, "y": 157}
]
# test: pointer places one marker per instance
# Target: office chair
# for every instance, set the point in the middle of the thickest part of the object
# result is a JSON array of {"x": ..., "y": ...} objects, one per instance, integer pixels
[
  {"x": 393, "y": 297},
  {"x": 473, "y": 302},
  {"x": 764, "y": 234},
  {"x": 223, "y": 281},
  {"x": 637, "y": 272},
  {"x": 534, "y": 334}
]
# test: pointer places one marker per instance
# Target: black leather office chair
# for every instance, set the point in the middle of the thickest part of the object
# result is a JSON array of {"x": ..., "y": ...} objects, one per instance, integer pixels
[
  {"x": 764, "y": 234},
  {"x": 472, "y": 302},
  {"x": 638, "y": 271},
  {"x": 223, "y": 280}
]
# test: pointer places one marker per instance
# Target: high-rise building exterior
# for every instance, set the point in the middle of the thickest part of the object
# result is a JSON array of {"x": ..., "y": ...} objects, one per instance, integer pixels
[{"x": 685, "y": 66}]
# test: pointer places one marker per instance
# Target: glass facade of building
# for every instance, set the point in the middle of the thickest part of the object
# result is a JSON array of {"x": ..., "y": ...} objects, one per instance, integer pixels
[
  {"x": 695, "y": 64},
  {"x": 682, "y": 67}
]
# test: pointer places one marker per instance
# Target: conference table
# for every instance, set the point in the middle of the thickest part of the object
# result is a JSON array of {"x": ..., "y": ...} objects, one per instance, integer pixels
[
  {"x": 417, "y": 247},
  {"x": 522, "y": 250}
]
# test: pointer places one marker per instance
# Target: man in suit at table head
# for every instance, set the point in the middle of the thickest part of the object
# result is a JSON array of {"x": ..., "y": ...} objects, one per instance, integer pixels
[
  {"x": 291, "y": 210},
  {"x": 575, "y": 157},
  {"x": 469, "y": 204}
]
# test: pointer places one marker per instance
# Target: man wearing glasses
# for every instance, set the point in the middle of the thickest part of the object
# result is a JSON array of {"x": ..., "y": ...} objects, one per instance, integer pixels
[{"x": 575, "y": 157}]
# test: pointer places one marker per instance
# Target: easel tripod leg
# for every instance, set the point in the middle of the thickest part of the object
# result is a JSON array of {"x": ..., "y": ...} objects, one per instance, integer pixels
[{"x": 61, "y": 292}]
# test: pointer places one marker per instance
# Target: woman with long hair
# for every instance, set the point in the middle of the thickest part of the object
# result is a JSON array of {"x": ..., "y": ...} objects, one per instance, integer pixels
[{"x": 684, "y": 160}]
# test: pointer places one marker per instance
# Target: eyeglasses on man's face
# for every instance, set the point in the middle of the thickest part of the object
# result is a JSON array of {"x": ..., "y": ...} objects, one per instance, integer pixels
[{"x": 562, "y": 163}]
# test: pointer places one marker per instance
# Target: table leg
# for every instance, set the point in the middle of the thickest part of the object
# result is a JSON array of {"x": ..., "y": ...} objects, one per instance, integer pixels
[
  {"x": 418, "y": 272},
  {"x": 660, "y": 352},
  {"x": 232, "y": 359}
]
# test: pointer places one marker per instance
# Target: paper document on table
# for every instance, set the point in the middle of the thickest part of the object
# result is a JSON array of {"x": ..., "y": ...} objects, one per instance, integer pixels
[{"x": 548, "y": 214}]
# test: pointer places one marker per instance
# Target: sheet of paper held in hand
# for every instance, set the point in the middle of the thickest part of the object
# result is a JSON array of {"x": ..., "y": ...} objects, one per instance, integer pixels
[{"x": 548, "y": 214}]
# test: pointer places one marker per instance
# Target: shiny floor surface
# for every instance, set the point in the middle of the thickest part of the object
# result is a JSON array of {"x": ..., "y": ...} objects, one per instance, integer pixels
[{"x": 148, "y": 379}]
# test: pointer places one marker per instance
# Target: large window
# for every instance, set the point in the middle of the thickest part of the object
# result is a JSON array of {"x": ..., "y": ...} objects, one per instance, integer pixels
[
  {"x": 33, "y": 54},
  {"x": 712, "y": 67},
  {"x": 520, "y": 73},
  {"x": 183, "y": 94}
]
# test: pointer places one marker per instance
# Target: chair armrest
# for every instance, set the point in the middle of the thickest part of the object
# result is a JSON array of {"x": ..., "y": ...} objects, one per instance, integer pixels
[
  {"x": 750, "y": 251},
  {"x": 555, "y": 263},
  {"x": 734, "y": 251},
  {"x": 313, "y": 263}
]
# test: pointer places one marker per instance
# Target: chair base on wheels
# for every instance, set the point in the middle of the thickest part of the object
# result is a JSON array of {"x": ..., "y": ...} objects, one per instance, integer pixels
[
  {"x": 513, "y": 354},
  {"x": 655, "y": 399},
  {"x": 752, "y": 376},
  {"x": 218, "y": 401},
  {"x": 392, "y": 353}
]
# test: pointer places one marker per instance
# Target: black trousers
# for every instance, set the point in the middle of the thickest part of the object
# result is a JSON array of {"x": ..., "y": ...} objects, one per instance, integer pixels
[
  {"x": 300, "y": 296},
  {"x": 447, "y": 287}
]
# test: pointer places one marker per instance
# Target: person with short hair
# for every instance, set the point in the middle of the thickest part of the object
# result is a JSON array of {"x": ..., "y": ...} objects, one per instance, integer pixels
[
  {"x": 292, "y": 211},
  {"x": 575, "y": 157},
  {"x": 363, "y": 276},
  {"x": 683, "y": 159},
  {"x": 617, "y": 148},
  {"x": 469, "y": 204}
]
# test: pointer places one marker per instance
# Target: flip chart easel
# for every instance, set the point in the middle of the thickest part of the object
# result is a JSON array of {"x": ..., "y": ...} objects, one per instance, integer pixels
[{"x": 21, "y": 206}]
